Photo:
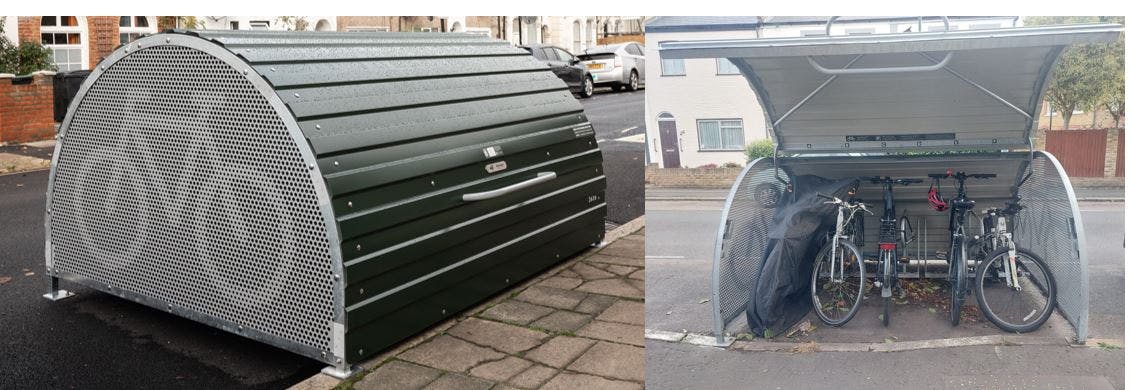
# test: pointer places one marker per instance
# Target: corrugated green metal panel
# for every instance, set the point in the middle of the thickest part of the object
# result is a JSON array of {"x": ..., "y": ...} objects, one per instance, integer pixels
[{"x": 404, "y": 125}]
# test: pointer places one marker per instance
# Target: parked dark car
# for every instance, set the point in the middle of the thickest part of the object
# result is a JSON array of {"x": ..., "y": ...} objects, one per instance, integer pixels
[{"x": 567, "y": 66}]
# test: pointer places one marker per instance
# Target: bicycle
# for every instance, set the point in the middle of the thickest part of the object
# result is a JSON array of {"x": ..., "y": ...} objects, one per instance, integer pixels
[
  {"x": 959, "y": 206},
  {"x": 837, "y": 284},
  {"x": 1016, "y": 276},
  {"x": 890, "y": 233}
]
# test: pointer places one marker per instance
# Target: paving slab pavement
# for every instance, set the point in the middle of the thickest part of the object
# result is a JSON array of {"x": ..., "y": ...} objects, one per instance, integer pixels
[{"x": 579, "y": 325}]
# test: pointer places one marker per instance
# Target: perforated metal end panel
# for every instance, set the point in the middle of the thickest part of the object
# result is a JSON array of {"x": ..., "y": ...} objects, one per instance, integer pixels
[
  {"x": 1050, "y": 227},
  {"x": 179, "y": 182},
  {"x": 742, "y": 240}
]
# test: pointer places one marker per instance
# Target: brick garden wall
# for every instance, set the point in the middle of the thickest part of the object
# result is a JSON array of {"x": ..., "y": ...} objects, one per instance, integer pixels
[
  {"x": 690, "y": 177},
  {"x": 27, "y": 109}
]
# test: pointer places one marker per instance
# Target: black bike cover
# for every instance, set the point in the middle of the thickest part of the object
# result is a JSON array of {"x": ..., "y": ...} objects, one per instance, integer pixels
[{"x": 779, "y": 296}]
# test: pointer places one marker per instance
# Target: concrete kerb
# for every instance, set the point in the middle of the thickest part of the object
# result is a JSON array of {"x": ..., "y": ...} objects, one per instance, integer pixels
[
  {"x": 324, "y": 381},
  {"x": 761, "y": 345}
]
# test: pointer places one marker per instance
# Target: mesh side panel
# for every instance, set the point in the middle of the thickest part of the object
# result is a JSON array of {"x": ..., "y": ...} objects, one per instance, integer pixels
[
  {"x": 1046, "y": 227},
  {"x": 744, "y": 243},
  {"x": 179, "y": 182}
]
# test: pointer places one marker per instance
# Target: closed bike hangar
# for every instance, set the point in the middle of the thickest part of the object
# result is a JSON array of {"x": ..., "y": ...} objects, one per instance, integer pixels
[
  {"x": 878, "y": 105},
  {"x": 330, "y": 194}
]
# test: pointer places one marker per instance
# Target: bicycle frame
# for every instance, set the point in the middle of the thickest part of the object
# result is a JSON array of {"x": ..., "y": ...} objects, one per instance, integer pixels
[{"x": 841, "y": 222}]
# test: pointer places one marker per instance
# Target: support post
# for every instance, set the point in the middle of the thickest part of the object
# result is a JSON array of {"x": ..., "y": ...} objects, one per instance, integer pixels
[{"x": 53, "y": 291}]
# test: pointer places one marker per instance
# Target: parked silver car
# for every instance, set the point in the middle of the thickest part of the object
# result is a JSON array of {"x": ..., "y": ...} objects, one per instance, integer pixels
[{"x": 618, "y": 66}]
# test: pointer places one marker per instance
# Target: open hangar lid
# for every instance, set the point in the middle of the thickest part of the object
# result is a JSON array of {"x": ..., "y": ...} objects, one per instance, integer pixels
[{"x": 972, "y": 89}]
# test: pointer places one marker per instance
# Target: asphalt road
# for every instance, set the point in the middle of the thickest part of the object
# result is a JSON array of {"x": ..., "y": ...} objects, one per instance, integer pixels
[
  {"x": 681, "y": 236},
  {"x": 618, "y": 118},
  {"x": 94, "y": 340}
]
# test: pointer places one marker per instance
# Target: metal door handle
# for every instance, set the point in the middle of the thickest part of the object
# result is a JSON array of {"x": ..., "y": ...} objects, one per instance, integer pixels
[
  {"x": 542, "y": 177},
  {"x": 895, "y": 69}
]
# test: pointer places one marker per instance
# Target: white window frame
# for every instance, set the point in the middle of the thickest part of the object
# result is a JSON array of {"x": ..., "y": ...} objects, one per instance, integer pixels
[
  {"x": 719, "y": 67},
  {"x": 478, "y": 30},
  {"x": 133, "y": 29},
  {"x": 664, "y": 72},
  {"x": 577, "y": 45},
  {"x": 813, "y": 33},
  {"x": 259, "y": 25},
  {"x": 719, "y": 123},
  {"x": 82, "y": 47},
  {"x": 860, "y": 31}
]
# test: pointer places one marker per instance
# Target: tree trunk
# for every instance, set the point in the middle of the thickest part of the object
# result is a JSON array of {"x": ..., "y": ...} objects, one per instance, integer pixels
[{"x": 1067, "y": 117}]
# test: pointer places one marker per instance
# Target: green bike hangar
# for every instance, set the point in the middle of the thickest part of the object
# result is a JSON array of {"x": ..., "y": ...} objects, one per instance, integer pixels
[
  {"x": 330, "y": 194},
  {"x": 876, "y": 105}
]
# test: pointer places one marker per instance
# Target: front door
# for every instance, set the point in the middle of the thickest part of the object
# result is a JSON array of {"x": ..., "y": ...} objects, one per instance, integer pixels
[{"x": 669, "y": 144}]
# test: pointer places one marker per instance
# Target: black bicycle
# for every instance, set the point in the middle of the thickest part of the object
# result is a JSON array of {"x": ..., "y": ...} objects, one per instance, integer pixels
[
  {"x": 890, "y": 234},
  {"x": 960, "y": 206},
  {"x": 1015, "y": 288}
]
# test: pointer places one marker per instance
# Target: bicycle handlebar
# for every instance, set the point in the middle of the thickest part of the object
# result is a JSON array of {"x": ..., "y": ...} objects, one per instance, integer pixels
[
  {"x": 961, "y": 175},
  {"x": 903, "y": 181}
]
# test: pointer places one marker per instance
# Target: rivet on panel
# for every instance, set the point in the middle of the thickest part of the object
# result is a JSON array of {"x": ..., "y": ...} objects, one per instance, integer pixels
[
  {"x": 245, "y": 72},
  {"x": 323, "y": 354},
  {"x": 360, "y": 352},
  {"x": 443, "y": 311},
  {"x": 557, "y": 256},
  {"x": 170, "y": 307},
  {"x": 272, "y": 69},
  {"x": 311, "y": 166},
  {"x": 296, "y": 95},
  {"x": 241, "y": 328},
  {"x": 361, "y": 291},
  {"x": 358, "y": 246},
  {"x": 508, "y": 280},
  {"x": 349, "y": 204},
  {"x": 433, "y": 183},
  {"x": 335, "y": 162},
  {"x": 336, "y": 276},
  {"x": 167, "y": 40},
  {"x": 547, "y": 154},
  {"x": 339, "y": 360}
]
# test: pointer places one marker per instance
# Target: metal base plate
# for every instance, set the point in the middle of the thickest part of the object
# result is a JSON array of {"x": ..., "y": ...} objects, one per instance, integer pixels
[
  {"x": 340, "y": 373},
  {"x": 58, "y": 295}
]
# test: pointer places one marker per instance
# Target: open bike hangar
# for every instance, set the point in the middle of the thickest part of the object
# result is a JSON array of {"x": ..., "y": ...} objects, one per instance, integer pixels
[{"x": 877, "y": 105}]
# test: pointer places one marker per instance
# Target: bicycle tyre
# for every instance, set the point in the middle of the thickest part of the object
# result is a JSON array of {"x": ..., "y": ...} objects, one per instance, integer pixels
[
  {"x": 957, "y": 280},
  {"x": 822, "y": 258},
  {"x": 889, "y": 282},
  {"x": 992, "y": 315}
]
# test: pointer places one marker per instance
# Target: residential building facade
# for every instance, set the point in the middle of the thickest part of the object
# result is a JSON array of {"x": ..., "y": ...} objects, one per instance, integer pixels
[
  {"x": 702, "y": 112},
  {"x": 270, "y": 23},
  {"x": 78, "y": 42}
]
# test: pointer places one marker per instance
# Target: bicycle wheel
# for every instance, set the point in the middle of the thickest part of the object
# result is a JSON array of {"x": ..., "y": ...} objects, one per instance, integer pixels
[
  {"x": 957, "y": 280},
  {"x": 888, "y": 264},
  {"x": 1011, "y": 309},
  {"x": 836, "y": 300}
]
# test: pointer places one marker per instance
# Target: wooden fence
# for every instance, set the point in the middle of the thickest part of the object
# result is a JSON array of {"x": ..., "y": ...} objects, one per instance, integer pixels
[{"x": 1081, "y": 152}]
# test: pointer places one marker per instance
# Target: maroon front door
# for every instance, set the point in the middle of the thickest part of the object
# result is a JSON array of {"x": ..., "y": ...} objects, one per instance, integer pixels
[{"x": 669, "y": 144}]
